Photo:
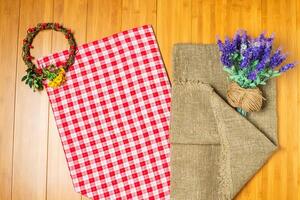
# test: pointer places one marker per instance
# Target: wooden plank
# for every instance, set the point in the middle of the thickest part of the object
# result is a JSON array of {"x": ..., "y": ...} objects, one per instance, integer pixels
[
  {"x": 289, "y": 85},
  {"x": 223, "y": 18},
  {"x": 72, "y": 13},
  {"x": 9, "y": 18},
  {"x": 104, "y": 19},
  {"x": 281, "y": 177},
  {"x": 204, "y": 21},
  {"x": 138, "y": 12},
  {"x": 31, "y": 118},
  {"x": 298, "y": 97},
  {"x": 173, "y": 26}
]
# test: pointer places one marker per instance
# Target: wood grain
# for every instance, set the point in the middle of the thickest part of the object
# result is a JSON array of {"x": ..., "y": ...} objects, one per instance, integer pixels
[
  {"x": 173, "y": 26},
  {"x": 138, "y": 12},
  {"x": 103, "y": 18},
  {"x": 31, "y": 112},
  {"x": 9, "y": 13},
  {"x": 297, "y": 121},
  {"x": 275, "y": 174},
  {"x": 32, "y": 163}
]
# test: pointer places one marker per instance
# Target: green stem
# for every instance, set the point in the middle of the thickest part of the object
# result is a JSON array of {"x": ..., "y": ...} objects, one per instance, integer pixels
[{"x": 242, "y": 112}]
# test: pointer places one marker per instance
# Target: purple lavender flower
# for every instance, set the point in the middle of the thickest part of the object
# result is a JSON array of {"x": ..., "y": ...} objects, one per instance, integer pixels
[
  {"x": 286, "y": 67},
  {"x": 244, "y": 38},
  {"x": 262, "y": 37},
  {"x": 264, "y": 60},
  {"x": 236, "y": 42},
  {"x": 267, "y": 52},
  {"x": 225, "y": 59},
  {"x": 228, "y": 47},
  {"x": 268, "y": 42},
  {"x": 247, "y": 55},
  {"x": 244, "y": 41},
  {"x": 220, "y": 45},
  {"x": 276, "y": 59},
  {"x": 252, "y": 75},
  {"x": 261, "y": 65},
  {"x": 261, "y": 46},
  {"x": 257, "y": 49}
]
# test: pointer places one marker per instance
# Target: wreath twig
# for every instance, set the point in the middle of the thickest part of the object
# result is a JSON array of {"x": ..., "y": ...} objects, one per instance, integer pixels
[{"x": 54, "y": 75}]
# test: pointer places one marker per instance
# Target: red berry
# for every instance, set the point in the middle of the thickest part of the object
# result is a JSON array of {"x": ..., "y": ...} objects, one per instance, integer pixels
[
  {"x": 39, "y": 71},
  {"x": 44, "y": 25},
  {"x": 56, "y": 26},
  {"x": 30, "y": 57}
]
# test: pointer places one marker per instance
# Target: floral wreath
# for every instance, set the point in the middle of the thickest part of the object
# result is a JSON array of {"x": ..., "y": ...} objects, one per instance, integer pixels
[{"x": 54, "y": 75}]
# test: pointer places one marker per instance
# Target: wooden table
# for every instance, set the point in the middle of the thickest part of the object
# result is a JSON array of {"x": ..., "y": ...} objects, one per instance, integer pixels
[{"x": 32, "y": 163}]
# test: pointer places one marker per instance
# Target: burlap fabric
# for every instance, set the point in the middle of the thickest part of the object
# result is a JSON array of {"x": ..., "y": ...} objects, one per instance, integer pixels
[{"x": 214, "y": 150}]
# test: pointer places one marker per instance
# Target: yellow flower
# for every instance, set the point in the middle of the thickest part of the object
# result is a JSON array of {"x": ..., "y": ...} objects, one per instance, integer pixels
[{"x": 59, "y": 79}]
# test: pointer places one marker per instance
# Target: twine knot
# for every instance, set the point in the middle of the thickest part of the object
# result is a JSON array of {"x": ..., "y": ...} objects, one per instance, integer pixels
[{"x": 248, "y": 99}]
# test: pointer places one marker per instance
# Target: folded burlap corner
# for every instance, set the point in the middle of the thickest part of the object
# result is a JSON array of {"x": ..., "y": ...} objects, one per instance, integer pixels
[{"x": 214, "y": 150}]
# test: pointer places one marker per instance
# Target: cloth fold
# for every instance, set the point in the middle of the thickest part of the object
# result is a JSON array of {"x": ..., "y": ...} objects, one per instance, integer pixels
[{"x": 214, "y": 150}]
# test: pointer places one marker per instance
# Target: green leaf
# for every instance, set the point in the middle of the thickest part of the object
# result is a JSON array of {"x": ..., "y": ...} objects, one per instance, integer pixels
[
  {"x": 228, "y": 70},
  {"x": 266, "y": 75},
  {"x": 235, "y": 56},
  {"x": 247, "y": 81},
  {"x": 30, "y": 82},
  {"x": 252, "y": 85},
  {"x": 253, "y": 64},
  {"x": 36, "y": 85},
  {"x": 270, "y": 71},
  {"x": 275, "y": 74},
  {"x": 24, "y": 78},
  {"x": 41, "y": 87},
  {"x": 263, "y": 83}
]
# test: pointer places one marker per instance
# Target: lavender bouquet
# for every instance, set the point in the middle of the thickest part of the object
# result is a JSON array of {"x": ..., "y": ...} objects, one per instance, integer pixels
[{"x": 250, "y": 62}]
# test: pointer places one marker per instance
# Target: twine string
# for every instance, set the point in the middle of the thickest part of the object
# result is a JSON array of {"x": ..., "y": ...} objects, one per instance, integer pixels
[{"x": 248, "y": 99}]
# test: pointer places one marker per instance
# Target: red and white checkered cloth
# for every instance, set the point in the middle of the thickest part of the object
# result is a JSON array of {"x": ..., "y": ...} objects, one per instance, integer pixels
[{"x": 113, "y": 114}]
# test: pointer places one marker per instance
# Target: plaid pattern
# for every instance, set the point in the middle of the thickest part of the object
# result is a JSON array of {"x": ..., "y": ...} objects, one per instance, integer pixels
[{"x": 113, "y": 114}]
